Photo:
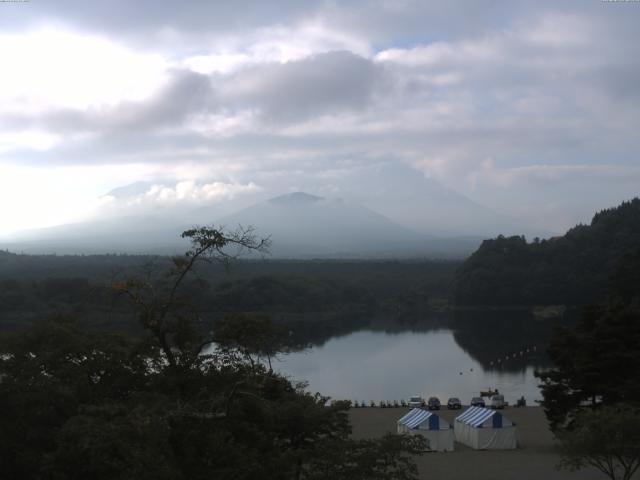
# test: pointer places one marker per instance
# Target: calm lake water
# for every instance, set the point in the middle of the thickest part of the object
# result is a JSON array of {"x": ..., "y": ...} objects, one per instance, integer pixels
[{"x": 458, "y": 362}]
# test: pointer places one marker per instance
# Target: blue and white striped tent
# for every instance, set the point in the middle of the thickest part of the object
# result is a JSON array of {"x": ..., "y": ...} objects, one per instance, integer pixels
[
  {"x": 485, "y": 429},
  {"x": 437, "y": 431}
]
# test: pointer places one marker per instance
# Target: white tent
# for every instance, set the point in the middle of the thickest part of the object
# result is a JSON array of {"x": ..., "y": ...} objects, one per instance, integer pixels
[
  {"x": 484, "y": 429},
  {"x": 437, "y": 431}
]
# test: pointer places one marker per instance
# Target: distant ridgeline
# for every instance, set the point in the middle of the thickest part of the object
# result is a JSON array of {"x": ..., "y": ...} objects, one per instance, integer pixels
[{"x": 574, "y": 269}]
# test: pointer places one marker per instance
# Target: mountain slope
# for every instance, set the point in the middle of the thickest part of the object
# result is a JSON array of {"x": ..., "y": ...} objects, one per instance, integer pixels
[
  {"x": 572, "y": 269},
  {"x": 300, "y": 226},
  {"x": 135, "y": 234},
  {"x": 423, "y": 204},
  {"x": 306, "y": 225}
]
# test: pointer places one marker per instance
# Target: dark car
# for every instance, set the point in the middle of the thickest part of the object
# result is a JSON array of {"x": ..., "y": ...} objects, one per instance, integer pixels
[
  {"x": 477, "y": 402},
  {"x": 433, "y": 403},
  {"x": 454, "y": 403}
]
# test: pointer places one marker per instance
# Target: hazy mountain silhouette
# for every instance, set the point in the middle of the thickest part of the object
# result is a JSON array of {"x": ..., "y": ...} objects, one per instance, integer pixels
[
  {"x": 300, "y": 226},
  {"x": 303, "y": 225},
  {"x": 135, "y": 234},
  {"x": 399, "y": 192},
  {"x": 426, "y": 205}
]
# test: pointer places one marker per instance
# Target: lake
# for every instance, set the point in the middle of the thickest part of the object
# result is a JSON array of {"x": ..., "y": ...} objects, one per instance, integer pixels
[{"x": 457, "y": 361}]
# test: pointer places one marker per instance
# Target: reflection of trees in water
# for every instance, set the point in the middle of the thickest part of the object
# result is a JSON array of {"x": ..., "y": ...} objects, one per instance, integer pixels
[
  {"x": 503, "y": 340},
  {"x": 317, "y": 329}
]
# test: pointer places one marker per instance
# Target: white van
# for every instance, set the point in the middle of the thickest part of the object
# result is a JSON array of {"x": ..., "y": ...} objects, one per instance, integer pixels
[{"x": 497, "y": 402}]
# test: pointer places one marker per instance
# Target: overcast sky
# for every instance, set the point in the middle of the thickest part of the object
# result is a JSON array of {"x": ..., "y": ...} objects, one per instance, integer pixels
[{"x": 531, "y": 109}]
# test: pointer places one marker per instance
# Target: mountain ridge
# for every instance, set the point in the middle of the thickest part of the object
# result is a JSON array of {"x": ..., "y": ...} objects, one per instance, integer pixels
[
  {"x": 301, "y": 226},
  {"x": 570, "y": 269}
]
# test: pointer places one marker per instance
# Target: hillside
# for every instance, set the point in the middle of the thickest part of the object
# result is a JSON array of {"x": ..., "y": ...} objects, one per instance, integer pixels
[
  {"x": 300, "y": 226},
  {"x": 573, "y": 269},
  {"x": 307, "y": 226}
]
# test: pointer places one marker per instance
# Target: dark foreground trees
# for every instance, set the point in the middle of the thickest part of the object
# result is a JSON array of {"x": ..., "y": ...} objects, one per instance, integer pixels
[
  {"x": 606, "y": 438},
  {"x": 77, "y": 404},
  {"x": 592, "y": 396},
  {"x": 598, "y": 360}
]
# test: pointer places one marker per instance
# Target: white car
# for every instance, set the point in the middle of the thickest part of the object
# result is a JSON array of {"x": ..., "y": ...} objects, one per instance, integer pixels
[
  {"x": 415, "y": 402},
  {"x": 497, "y": 402}
]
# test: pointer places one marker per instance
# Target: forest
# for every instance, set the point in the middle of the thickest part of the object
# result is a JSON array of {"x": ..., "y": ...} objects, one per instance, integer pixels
[
  {"x": 573, "y": 269},
  {"x": 318, "y": 299},
  {"x": 314, "y": 299},
  {"x": 81, "y": 403}
]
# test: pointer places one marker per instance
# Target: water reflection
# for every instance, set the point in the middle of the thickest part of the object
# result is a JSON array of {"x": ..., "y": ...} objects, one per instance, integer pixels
[
  {"x": 378, "y": 366},
  {"x": 510, "y": 341},
  {"x": 387, "y": 362}
]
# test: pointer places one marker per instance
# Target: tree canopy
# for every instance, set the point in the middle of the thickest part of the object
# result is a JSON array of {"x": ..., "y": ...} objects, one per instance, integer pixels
[
  {"x": 573, "y": 269},
  {"x": 78, "y": 403},
  {"x": 596, "y": 361},
  {"x": 607, "y": 439}
]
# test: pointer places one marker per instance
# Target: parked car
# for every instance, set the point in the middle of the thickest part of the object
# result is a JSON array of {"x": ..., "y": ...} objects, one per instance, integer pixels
[
  {"x": 433, "y": 403},
  {"x": 477, "y": 402},
  {"x": 497, "y": 402},
  {"x": 415, "y": 402},
  {"x": 454, "y": 403}
]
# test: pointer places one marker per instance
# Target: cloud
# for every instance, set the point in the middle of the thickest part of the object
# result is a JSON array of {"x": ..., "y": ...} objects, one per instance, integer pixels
[
  {"x": 544, "y": 175},
  {"x": 35, "y": 139},
  {"x": 153, "y": 19},
  {"x": 184, "y": 93},
  {"x": 48, "y": 68},
  {"x": 324, "y": 84},
  {"x": 275, "y": 44},
  {"x": 178, "y": 199},
  {"x": 190, "y": 191},
  {"x": 547, "y": 92},
  {"x": 318, "y": 85}
]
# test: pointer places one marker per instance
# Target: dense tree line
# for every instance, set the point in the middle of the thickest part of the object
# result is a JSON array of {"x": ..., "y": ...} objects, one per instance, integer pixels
[
  {"x": 309, "y": 296},
  {"x": 573, "y": 269}
]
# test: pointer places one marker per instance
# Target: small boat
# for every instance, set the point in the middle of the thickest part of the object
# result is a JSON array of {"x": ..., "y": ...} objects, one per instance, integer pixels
[{"x": 489, "y": 393}]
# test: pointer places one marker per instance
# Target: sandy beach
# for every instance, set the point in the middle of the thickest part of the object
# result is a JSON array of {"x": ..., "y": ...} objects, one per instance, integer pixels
[{"x": 535, "y": 458}]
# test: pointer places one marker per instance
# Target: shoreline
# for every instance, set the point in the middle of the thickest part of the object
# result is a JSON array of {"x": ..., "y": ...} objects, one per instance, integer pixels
[{"x": 534, "y": 459}]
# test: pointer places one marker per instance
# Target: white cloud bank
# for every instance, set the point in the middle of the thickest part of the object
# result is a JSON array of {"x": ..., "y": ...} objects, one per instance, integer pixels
[{"x": 186, "y": 192}]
